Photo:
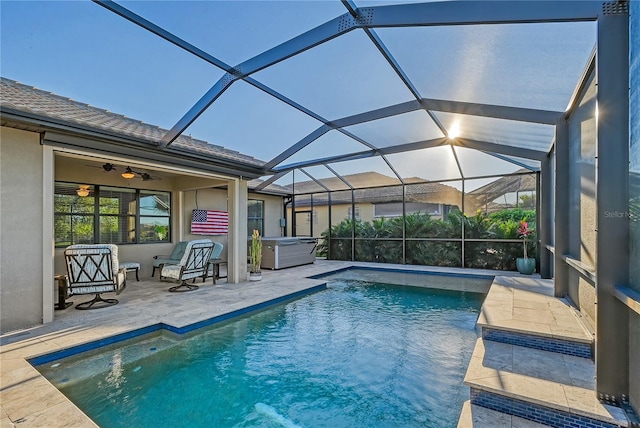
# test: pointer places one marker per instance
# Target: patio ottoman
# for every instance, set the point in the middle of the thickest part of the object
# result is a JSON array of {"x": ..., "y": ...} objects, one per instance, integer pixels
[{"x": 130, "y": 267}]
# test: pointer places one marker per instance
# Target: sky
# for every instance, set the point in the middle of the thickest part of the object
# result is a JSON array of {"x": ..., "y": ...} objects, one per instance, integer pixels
[{"x": 80, "y": 50}]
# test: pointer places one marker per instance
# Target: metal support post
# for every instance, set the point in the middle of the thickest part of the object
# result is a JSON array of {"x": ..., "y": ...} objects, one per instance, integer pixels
[
  {"x": 561, "y": 205},
  {"x": 612, "y": 197},
  {"x": 545, "y": 198}
]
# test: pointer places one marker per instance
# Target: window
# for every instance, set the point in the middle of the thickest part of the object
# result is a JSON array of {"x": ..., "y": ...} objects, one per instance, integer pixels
[
  {"x": 74, "y": 218},
  {"x": 394, "y": 209},
  {"x": 349, "y": 214},
  {"x": 255, "y": 216},
  {"x": 117, "y": 219},
  {"x": 110, "y": 215},
  {"x": 155, "y": 210}
]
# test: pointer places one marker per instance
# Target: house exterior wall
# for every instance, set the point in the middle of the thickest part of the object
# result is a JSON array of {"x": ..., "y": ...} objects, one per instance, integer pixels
[
  {"x": 21, "y": 229},
  {"x": 273, "y": 212},
  {"x": 582, "y": 198},
  {"x": 204, "y": 199},
  {"x": 216, "y": 199}
]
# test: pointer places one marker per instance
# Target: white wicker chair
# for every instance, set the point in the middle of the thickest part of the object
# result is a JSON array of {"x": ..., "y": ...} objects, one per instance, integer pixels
[
  {"x": 194, "y": 264},
  {"x": 94, "y": 269}
]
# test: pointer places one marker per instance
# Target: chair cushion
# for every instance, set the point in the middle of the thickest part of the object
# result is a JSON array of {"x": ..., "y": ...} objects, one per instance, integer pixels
[
  {"x": 217, "y": 250},
  {"x": 129, "y": 265},
  {"x": 165, "y": 261},
  {"x": 171, "y": 271},
  {"x": 197, "y": 243},
  {"x": 178, "y": 250},
  {"x": 89, "y": 247}
]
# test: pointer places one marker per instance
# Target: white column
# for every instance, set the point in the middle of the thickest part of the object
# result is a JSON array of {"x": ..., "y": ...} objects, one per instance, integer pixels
[
  {"x": 237, "y": 194},
  {"x": 48, "y": 239}
]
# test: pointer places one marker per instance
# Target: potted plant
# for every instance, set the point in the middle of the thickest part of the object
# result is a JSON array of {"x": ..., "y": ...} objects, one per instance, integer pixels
[
  {"x": 525, "y": 265},
  {"x": 255, "y": 254}
]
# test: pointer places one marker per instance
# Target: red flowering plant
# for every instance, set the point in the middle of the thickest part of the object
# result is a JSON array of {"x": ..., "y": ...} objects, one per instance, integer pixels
[{"x": 524, "y": 232}]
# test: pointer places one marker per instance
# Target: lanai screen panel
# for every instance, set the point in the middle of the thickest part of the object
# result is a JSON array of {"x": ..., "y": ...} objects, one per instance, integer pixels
[
  {"x": 370, "y": 172},
  {"x": 432, "y": 164},
  {"x": 478, "y": 164},
  {"x": 488, "y": 196},
  {"x": 342, "y": 77},
  {"x": 634, "y": 154},
  {"x": 400, "y": 129},
  {"x": 248, "y": 120},
  {"x": 332, "y": 143},
  {"x": 236, "y": 31},
  {"x": 501, "y": 131},
  {"x": 379, "y": 237},
  {"x": 518, "y": 65},
  {"x": 322, "y": 174}
]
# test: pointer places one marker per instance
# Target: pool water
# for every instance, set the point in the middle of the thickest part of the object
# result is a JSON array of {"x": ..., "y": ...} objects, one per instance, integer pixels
[{"x": 358, "y": 354}]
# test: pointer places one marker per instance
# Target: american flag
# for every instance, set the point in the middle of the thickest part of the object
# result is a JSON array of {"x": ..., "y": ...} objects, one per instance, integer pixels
[{"x": 209, "y": 222}]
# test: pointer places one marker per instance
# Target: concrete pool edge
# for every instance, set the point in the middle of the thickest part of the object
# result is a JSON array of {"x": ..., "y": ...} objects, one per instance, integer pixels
[{"x": 110, "y": 340}]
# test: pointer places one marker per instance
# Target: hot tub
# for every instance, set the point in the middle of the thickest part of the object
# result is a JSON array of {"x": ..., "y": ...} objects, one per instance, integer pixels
[{"x": 284, "y": 252}]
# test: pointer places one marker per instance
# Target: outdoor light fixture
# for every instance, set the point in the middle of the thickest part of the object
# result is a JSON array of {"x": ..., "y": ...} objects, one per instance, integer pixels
[
  {"x": 83, "y": 190},
  {"x": 128, "y": 173}
]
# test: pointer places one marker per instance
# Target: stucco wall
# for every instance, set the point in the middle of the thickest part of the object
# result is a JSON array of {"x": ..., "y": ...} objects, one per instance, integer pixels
[
  {"x": 273, "y": 212},
  {"x": 21, "y": 227},
  {"x": 204, "y": 199},
  {"x": 216, "y": 199},
  {"x": 582, "y": 198}
]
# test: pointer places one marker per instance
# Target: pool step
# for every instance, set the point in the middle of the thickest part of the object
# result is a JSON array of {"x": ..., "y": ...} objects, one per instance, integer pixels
[
  {"x": 532, "y": 364},
  {"x": 542, "y": 386},
  {"x": 524, "y": 312}
]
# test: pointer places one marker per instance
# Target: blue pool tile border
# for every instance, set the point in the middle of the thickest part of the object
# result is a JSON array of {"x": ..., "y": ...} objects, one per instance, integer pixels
[
  {"x": 534, "y": 412},
  {"x": 551, "y": 344},
  {"x": 73, "y": 350},
  {"x": 244, "y": 311},
  {"x": 400, "y": 270}
]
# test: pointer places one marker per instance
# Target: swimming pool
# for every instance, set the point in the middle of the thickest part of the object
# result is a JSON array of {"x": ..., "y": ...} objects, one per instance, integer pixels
[{"x": 358, "y": 354}]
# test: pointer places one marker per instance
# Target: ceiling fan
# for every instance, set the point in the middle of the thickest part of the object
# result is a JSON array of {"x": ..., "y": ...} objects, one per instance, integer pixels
[{"x": 128, "y": 173}]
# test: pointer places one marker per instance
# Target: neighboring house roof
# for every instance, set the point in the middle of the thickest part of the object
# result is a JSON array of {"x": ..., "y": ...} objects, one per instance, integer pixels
[
  {"x": 486, "y": 197},
  {"x": 272, "y": 189},
  {"x": 417, "y": 190},
  {"x": 507, "y": 184},
  {"x": 358, "y": 181},
  {"x": 27, "y": 107}
]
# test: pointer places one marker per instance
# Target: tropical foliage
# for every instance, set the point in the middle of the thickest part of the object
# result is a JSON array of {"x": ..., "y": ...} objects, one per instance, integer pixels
[{"x": 380, "y": 240}]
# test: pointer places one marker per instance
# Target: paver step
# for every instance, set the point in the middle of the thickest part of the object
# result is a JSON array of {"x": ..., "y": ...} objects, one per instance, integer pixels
[
  {"x": 525, "y": 313},
  {"x": 542, "y": 386},
  {"x": 568, "y": 346},
  {"x": 474, "y": 416}
]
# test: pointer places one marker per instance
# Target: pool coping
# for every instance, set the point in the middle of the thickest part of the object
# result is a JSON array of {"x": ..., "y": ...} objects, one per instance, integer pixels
[{"x": 110, "y": 340}]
